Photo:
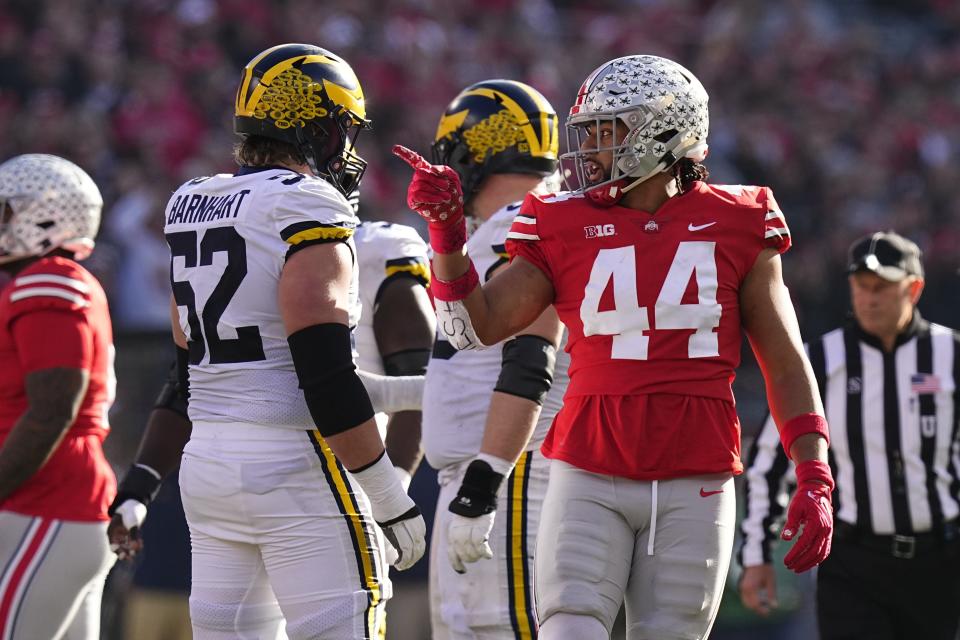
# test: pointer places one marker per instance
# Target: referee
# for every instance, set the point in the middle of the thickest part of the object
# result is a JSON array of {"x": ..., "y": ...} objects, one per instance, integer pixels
[{"x": 889, "y": 383}]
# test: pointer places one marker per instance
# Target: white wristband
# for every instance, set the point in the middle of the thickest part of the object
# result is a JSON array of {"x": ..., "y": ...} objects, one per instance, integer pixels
[
  {"x": 405, "y": 478},
  {"x": 499, "y": 465},
  {"x": 390, "y": 394},
  {"x": 381, "y": 483}
]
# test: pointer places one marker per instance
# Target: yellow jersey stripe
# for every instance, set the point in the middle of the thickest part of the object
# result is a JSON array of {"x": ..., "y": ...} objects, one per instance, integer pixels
[
  {"x": 419, "y": 271},
  {"x": 518, "y": 573},
  {"x": 363, "y": 543},
  {"x": 321, "y": 233}
]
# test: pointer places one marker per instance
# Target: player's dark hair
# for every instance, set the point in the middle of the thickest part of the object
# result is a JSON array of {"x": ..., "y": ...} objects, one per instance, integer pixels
[
  {"x": 686, "y": 172},
  {"x": 259, "y": 151}
]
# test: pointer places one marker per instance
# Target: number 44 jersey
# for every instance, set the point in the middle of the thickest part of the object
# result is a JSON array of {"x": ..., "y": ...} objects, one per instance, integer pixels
[
  {"x": 229, "y": 237},
  {"x": 651, "y": 303}
]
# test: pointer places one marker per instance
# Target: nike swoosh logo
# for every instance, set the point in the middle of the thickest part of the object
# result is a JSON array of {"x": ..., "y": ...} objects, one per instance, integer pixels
[
  {"x": 704, "y": 494},
  {"x": 698, "y": 227}
]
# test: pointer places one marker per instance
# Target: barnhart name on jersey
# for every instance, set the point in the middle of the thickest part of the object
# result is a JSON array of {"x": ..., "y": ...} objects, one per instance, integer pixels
[{"x": 196, "y": 207}]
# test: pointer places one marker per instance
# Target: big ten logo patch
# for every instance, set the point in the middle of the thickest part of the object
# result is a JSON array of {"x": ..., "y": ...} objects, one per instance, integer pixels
[{"x": 600, "y": 230}]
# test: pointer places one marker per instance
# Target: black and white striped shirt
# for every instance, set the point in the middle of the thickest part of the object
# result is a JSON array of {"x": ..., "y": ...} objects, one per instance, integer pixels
[{"x": 894, "y": 448}]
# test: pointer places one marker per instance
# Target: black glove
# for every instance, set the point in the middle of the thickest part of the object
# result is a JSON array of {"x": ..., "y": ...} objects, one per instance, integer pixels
[
  {"x": 478, "y": 491},
  {"x": 139, "y": 484}
]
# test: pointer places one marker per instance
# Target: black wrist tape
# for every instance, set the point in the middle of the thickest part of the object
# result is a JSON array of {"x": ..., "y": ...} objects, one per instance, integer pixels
[
  {"x": 526, "y": 368},
  {"x": 335, "y": 395},
  {"x": 409, "y": 362},
  {"x": 172, "y": 396},
  {"x": 139, "y": 484},
  {"x": 478, "y": 491},
  {"x": 183, "y": 371}
]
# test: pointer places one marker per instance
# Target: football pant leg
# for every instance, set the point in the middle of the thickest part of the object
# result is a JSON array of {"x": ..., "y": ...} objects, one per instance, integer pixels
[
  {"x": 584, "y": 547},
  {"x": 674, "y": 593}
]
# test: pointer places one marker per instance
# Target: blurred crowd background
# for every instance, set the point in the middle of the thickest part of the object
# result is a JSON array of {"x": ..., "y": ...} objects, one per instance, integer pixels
[{"x": 849, "y": 110}]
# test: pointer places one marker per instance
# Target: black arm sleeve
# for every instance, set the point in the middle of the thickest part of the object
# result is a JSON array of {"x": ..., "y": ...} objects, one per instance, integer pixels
[{"x": 527, "y": 367}]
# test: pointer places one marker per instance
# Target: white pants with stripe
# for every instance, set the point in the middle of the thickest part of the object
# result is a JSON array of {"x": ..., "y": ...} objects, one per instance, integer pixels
[
  {"x": 493, "y": 600},
  {"x": 53, "y": 576},
  {"x": 281, "y": 535},
  {"x": 661, "y": 548}
]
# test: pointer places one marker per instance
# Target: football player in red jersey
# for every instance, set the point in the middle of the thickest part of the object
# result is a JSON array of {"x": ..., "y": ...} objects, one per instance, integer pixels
[
  {"x": 655, "y": 273},
  {"x": 56, "y": 385}
]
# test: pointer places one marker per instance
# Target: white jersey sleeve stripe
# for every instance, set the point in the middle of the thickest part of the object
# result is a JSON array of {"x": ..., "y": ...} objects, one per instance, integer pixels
[
  {"x": 525, "y": 220},
  {"x": 514, "y": 235},
  {"x": 73, "y": 283},
  {"x": 774, "y": 215},
  {"x": 776, "y": 232},
  {"x": 35, "y": 292}
]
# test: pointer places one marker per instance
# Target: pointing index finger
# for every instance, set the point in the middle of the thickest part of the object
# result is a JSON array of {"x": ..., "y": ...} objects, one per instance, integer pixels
[{"x": 412, "y": 158}]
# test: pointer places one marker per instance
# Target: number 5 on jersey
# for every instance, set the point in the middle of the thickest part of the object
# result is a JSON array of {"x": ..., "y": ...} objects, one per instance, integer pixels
[
  {"x": 247, "y": 346},
  {"x": 629, "y": 323}
]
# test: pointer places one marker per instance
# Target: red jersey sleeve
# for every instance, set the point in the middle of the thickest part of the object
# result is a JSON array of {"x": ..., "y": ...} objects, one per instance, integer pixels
[
  {"x": 776, "y": 233},
  {"x": 47, "y": 320},
  {"x": 524, "y": 238},
  {"x": 46, "y": 339}
]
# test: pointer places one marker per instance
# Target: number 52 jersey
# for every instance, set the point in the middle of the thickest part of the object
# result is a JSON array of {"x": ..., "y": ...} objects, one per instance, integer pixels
[
  {"x": 651, "y": 303},
  {"x": 229, "y": 237}
]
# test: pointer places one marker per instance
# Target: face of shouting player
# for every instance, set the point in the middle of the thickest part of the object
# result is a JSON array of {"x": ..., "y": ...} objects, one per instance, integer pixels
[{"x": 598, "y": 146}]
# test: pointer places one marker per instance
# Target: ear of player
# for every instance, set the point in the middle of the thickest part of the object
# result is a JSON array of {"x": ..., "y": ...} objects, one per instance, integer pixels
[
  {"x": 436, "y": 195},
  {"x": 811, "y": 510}
]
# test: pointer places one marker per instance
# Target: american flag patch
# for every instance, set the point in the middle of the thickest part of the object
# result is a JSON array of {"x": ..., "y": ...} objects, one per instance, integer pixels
[{"x": 924, "y": 383}]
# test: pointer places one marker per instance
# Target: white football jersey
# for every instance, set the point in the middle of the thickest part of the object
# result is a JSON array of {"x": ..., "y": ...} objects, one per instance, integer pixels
[
  {"x": 459, "y": 384},
  {"x": 385, "y": 251},
  {"x": 229, "y": 238}
]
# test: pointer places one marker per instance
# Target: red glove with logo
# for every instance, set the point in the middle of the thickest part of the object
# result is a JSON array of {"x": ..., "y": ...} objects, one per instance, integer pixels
[
  {"x": 435, "y": 193},
  {"x": 811, "y": 508}
]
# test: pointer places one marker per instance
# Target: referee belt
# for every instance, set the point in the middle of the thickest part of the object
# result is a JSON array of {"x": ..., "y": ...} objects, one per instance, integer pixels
[{"x": 899, "y": 546}]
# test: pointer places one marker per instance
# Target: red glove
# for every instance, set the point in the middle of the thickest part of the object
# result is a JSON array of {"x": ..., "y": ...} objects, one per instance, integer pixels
[
  {"x": 812, "y": 509},
  {"x": 436, "y": 195}
]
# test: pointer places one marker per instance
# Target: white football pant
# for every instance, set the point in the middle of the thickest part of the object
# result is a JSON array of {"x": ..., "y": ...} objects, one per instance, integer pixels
[
  {"x": 663, "y": 548},
  {"x": 493, "y": 600},
  {"x": 53, "y": 576},
  {"x": 279, "y": 531}
]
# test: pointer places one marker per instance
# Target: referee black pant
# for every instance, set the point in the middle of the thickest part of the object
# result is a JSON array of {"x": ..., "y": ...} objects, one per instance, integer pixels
[{"x": 866, "y": 592}]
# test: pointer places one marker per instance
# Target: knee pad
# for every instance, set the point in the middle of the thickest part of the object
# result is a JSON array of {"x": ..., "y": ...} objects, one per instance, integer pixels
[
  {"x": 220, "y": 620},
  {"x": 568, "y": 625},
  {"x": 342, "y": 617},
  {"x": 571, "y": 573}
]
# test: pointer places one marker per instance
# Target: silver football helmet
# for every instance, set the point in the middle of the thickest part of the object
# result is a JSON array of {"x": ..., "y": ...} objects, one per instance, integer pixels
[
  {"x": 52, "y": 203},
  {"x": 663, "y": 107}
]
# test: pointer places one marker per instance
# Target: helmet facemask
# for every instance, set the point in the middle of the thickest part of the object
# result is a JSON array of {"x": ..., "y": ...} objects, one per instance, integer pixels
[{"x": 331, "y": 155}]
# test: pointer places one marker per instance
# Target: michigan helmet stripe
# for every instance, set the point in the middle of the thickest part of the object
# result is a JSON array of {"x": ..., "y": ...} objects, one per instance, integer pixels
[
  {"x": 450, "y": 123},
  {"x": 247, "y": 75},
  {"x": 549, "y": 133}
]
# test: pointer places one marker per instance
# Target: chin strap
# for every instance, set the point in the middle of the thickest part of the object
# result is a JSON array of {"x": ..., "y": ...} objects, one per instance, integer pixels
[
  {"x": 611, "y": 193},
  {"x": 607, "y": 195}
]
